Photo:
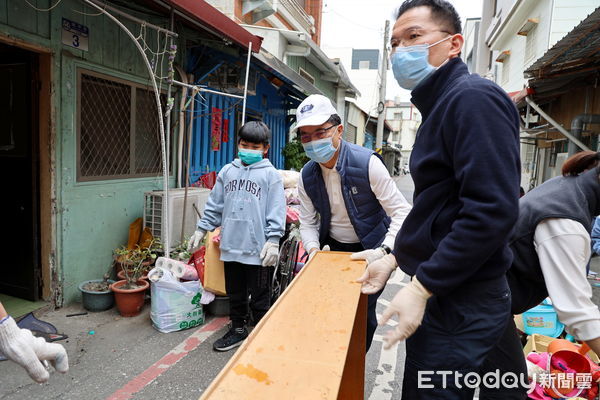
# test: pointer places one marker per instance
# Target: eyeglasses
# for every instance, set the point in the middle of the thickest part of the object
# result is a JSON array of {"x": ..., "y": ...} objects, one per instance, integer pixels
[
  {"x": 306, "y": 137},
  {"x": 410, "y": 37}
]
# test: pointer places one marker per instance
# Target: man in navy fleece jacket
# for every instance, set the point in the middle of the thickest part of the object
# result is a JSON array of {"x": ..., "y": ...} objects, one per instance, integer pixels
[{"x": 454, "y": 243}]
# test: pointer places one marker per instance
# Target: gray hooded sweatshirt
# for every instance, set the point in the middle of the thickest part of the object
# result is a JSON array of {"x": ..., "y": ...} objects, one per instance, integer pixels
[{"x": 248, "y": 202}]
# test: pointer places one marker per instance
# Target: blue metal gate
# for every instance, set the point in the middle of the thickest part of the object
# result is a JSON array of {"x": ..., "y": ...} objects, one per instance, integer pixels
[{"x": 267, "y": 105}]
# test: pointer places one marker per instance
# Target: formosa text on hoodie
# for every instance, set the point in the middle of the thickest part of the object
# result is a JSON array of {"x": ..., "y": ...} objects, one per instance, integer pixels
[{"x": 244, "y": 184}]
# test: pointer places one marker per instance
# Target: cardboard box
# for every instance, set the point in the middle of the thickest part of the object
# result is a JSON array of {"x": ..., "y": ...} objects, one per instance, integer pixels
[
  {"x": 539, "y": 344},
  {"x": 214, "y": 269},
  {"x": 519, "y": 323}
]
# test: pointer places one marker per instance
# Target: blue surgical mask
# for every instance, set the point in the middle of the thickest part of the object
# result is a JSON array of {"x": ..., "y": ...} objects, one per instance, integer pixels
[
  {"x": 320, "y": 151},
  {"x": 249, "y": 157},
  {"x": 411, "y": 64}
]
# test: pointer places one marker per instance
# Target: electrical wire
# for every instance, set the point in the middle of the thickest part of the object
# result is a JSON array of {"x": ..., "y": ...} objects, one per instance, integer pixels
[
  {"x": 219, "y": 112},
  {"x": 354, "y": 23},
  {"x": 42, "y": 10},
  {"x": 89, "y": 15}
]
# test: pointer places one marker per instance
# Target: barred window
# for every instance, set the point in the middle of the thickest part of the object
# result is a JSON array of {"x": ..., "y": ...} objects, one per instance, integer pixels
[
  {"x": 530, "y": 45},
  {"x": 350, "y": 133},
  {"x": 506, "y": 71},
  {"x": 118, "y": 131}
]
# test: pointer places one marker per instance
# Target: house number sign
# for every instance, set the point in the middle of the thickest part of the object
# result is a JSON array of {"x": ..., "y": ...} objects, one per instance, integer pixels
[{"x": 74, "y": 34}]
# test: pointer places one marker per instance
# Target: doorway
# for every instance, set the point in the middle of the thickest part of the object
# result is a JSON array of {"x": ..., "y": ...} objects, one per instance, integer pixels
[{"x": 19, "y": 166}]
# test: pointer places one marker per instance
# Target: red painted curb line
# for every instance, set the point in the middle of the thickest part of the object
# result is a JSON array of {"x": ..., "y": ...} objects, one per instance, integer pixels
[{"x": 168, "y": 360}]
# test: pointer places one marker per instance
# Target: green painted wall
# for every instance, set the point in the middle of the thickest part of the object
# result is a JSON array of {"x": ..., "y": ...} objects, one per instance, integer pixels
[
  {"x": 92, "y": 218},
  {"x": 95, "y": 215},
  {"x": 328, "y": 88}
]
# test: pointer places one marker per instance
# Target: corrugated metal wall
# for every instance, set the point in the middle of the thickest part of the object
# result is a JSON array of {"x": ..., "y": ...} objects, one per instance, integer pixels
[
  {"x": 267, "y": 105},
  {"x": 203, "y": 158}
]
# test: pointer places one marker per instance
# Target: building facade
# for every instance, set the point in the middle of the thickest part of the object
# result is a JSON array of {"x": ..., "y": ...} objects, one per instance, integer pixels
[
  {"x": 470, "y": 53},
  {"x": 363, "y": 72},
  {"x": 405, "y": 120},
  {"x": 292, "y": 32},
  {"x": 522, "y": 31},
  {"x": 517, "y": 33},
  {"x": 560, "y": 106},
  {"x": 83, "y": 130}
]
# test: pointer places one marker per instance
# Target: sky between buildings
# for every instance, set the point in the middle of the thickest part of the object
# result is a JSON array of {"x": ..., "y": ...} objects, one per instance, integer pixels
[{"x": 359, "y": 24}]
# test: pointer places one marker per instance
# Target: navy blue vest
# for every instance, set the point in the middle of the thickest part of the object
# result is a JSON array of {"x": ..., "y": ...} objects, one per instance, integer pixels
[
  {"x": 571, "y": 197},
  {"x": 368, "y": 218}
]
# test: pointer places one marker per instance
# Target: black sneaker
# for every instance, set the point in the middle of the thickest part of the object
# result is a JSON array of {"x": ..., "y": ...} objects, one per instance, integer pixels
[{"x": 233, "y": 338}]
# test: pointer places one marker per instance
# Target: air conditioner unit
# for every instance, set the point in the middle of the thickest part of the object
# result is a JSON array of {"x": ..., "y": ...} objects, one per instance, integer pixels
[{"x": 153, "y": 219}]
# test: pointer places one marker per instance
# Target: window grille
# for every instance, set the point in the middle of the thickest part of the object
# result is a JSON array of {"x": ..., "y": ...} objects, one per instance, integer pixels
[{"x": 118, "y": 133}]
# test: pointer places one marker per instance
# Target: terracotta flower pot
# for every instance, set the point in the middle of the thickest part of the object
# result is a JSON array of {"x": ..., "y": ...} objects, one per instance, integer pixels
[
  {"x": 129, "y": 301},
  {"x": 119, "y": 264},
  {"x": 121, "y": 275}
]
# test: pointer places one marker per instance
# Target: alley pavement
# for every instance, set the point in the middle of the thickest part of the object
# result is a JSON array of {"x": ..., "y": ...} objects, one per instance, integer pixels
[{"x": 112, "y": 357}]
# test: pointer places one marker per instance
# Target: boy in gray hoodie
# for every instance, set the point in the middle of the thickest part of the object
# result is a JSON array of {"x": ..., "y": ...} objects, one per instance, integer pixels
[{"x": 248, "y": 203}]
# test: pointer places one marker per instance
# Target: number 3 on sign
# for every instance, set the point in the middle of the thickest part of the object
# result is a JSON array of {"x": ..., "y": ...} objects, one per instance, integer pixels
[{"x": 75, "y": 35}]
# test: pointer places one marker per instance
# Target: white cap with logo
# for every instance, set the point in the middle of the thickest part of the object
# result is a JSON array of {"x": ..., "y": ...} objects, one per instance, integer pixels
[{"x": 315, "y": 110}]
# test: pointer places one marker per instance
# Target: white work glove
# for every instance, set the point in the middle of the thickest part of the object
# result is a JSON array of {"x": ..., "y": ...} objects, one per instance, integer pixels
[
  {"x": 196, "y": 240},
  {"x": 370, "y": 255},
  {"x": 269, "y": 254},
  {"x": 408, "y": 305},
  {"x": 377, "y": 274},
  {"x": 312, "y": 253},
  {"x": 20, "y": 346}
]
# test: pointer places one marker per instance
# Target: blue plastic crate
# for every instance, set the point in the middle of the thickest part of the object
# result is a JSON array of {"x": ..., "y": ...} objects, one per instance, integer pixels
[{"x": 543, "y": 320}]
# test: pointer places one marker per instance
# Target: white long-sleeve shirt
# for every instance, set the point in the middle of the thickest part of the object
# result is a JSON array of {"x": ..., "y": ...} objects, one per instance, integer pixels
[
  {"x": 341, "y": 229},
  {"x": 563, "y": 248}
]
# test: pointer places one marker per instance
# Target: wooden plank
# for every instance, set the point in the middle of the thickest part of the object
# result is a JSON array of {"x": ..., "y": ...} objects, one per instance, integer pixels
[
  {"x": 47, "y": 168},
  {"x": 43, "y": 19},
  {"x": 353, "y": 379},
  {"x": 308, "y": 343},
  {"x": 97, "y": 38},
  {"x": 108, "y": 42},
  {"x": 4, "y": 11},
  {"x": 21, "y": 15},
  {"x": 128, "y": 53}
]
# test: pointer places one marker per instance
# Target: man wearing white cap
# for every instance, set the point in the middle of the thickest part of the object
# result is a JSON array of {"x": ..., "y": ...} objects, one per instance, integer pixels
[{"x": 348, "y": 201}]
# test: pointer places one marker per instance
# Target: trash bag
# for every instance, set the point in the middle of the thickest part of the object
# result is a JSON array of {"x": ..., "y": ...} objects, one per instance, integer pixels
[{"x": 175, "y": 305}]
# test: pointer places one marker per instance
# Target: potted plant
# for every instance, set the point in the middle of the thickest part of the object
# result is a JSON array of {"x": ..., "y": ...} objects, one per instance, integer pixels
[
  {"x": 294, "y": 154},
  {"x": 96, "y": 294},
  {"x": 126, "y": 258},
  {"x": 181, "y": 253},
  {"x": 130, "y": 292}
]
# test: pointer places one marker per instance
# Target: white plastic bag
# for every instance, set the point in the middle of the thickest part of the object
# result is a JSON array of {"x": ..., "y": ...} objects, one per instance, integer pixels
[
  {"x": 175, "y": 305},
  {"x": 290, "y": 178}
]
